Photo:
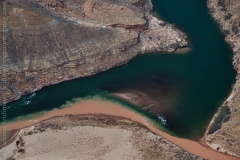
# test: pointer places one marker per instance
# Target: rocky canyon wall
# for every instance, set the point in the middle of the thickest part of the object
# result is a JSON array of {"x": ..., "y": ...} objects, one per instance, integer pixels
[{"x": 50, "y": 41}]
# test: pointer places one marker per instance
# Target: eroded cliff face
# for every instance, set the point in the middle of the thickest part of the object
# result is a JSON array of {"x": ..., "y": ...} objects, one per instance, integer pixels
[
  {"x": 50, "y": 41},
  {"x": 224, "y": 129}
]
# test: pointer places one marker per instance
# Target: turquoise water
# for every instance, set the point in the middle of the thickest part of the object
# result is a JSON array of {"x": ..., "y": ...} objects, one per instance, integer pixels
[{"x": 188, "y": 87}]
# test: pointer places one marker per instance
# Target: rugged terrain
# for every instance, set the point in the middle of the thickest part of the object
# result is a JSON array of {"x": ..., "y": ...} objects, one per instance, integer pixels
[
  {"x": 92, "y": 137},
  {"x": 224, "y": 129},
  {"x": 49, "y": 41}
]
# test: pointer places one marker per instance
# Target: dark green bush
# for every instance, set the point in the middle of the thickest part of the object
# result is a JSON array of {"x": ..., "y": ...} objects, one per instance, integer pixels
[{"x": 222, "y": 117}]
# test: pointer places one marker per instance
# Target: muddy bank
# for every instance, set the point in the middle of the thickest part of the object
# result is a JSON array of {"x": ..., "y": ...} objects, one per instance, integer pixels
[{"x": 224, "y": 129}]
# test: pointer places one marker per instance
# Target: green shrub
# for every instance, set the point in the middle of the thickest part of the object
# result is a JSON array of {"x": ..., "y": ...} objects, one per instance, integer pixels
[{"x": 222, "y": 117}]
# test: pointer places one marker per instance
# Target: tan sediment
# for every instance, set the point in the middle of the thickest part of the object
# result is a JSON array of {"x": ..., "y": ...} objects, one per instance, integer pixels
[
  {"x": 96, "y": 106},
  {"x": 183, "y": 50}
]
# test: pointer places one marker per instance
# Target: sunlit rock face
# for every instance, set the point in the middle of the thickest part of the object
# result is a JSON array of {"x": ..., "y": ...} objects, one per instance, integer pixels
[{"x": 50, "y": 41}]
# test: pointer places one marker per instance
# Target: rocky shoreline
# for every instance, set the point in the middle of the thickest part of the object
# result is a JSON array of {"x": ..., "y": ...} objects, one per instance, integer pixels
[
  {"x": 146, "y": 144},
  {"x": 50, "y": 41},
  {"x": 224, "y": 129}
]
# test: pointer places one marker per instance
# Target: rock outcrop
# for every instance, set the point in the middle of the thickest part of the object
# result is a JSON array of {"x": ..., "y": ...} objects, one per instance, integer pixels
[
  {"x": 49, "y": 41},
  {"x": 224, "y": 129}
]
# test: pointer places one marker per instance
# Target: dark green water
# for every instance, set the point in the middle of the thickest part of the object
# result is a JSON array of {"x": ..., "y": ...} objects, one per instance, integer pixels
[{"x": 188, "y": 87}]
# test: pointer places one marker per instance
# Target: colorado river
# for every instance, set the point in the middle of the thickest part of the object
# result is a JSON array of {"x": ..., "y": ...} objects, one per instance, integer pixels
[{"x": 96, "y": 106}]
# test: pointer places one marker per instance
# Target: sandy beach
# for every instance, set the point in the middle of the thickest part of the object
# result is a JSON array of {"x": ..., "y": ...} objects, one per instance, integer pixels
[{"x": 97, "y": 106}]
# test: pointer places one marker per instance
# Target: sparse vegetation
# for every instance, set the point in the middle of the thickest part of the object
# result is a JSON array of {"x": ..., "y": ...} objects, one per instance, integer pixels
[
  {"x": 17, "y": 143},
  {"x": 235, "y": 29},
  {"x": 228, "y": 16},
  {"x": 222, "y": 117},
  {"x": 10, "y": 158},
  {"x": 21, "y": 150}
]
